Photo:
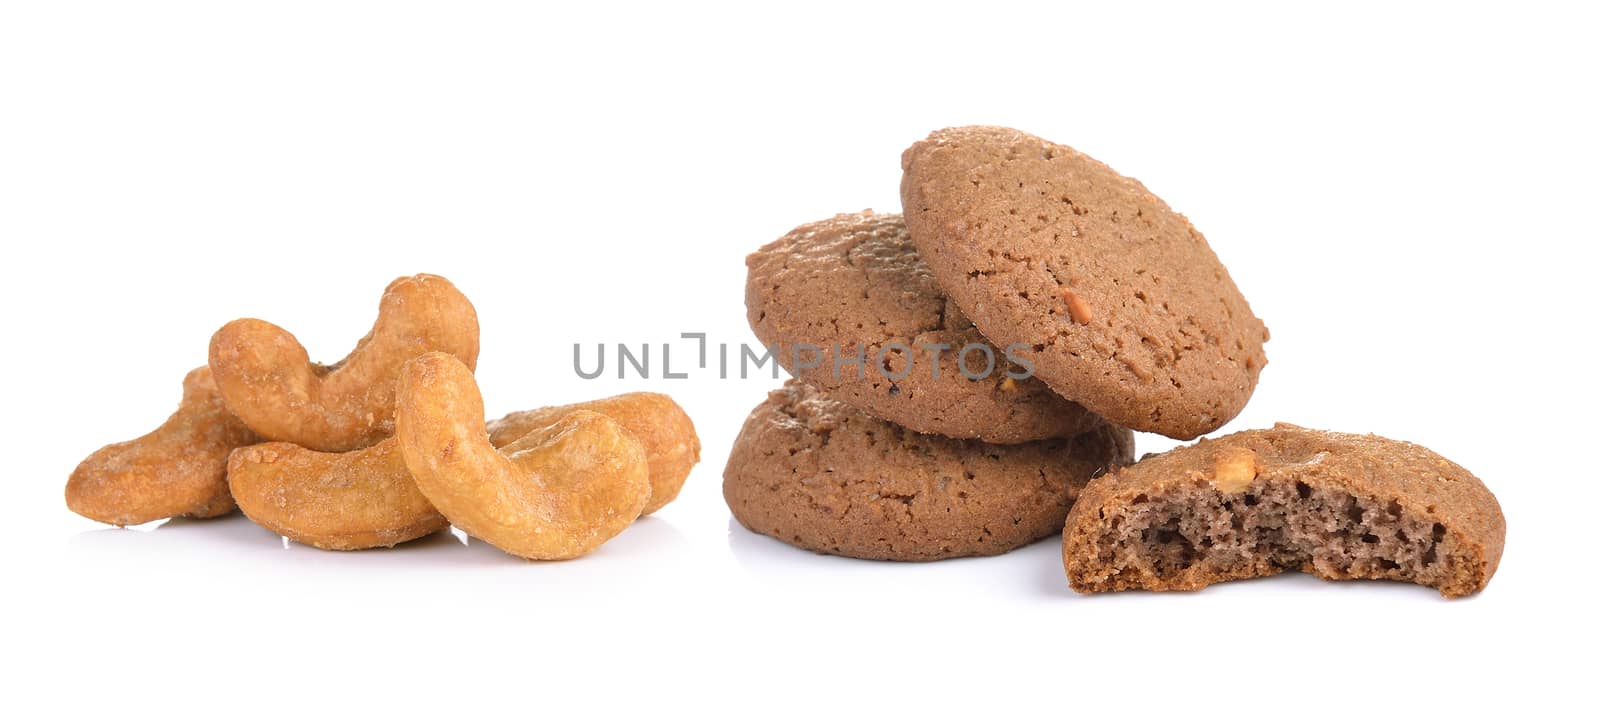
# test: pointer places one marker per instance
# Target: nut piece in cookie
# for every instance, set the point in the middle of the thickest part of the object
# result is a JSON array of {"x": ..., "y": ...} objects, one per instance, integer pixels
[
  {"x": 1234, "y": 470},
  {"x": 1260, "y": 502}
]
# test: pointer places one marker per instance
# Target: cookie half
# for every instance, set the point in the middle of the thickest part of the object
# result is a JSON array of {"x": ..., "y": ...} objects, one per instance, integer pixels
[
  {"x": 1260, "y": 502},
  {"x": 847, "y": 305},
  {"x": 823, "y": 476},
  {"x": 1126, "y": 307}
]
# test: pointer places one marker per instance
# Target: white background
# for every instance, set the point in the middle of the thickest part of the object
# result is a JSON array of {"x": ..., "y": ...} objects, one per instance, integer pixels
[{"x": 1405, "y": 196}]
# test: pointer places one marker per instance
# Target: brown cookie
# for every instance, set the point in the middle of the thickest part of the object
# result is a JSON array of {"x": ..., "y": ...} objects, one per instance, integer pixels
[
  {"x": 1260, "y": 502},
  {"x": 846, "y": 305},
  {"x": 1127, "y": 309},
  {"x": 823, "y": 476}
]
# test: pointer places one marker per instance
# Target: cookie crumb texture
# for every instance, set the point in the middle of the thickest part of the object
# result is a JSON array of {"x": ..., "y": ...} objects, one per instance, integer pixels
[
  {"x": 855, "y": 282},
  {"x": 823, "y": 476},
  {"x": 1261, "y": 502},
  {"x": 1128, "y": 310}
]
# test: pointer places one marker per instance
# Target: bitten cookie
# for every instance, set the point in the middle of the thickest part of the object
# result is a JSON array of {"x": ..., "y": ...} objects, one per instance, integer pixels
[
  {"x": 823, "y": 476},
  {"x": 855, "y": 284},
  {"x": 1127, "y": 309},
  {"x": 1259, "y": 502}
]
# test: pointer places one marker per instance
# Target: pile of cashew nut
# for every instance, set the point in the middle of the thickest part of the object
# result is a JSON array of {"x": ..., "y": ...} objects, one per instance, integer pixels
[{"x": 390, "y": 444}]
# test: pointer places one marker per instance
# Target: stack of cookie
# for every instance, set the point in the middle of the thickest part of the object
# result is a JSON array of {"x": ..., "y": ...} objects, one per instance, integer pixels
[{"x": 961, "y": 372}]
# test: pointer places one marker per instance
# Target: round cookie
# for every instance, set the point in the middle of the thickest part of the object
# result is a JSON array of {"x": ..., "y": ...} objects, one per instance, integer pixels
[
  {"x": 1128, "y": 310},
  {"x": 856, "y": 284},
  {"x": 823, "y": 476},
  {"x": 1259, "y": 502}
]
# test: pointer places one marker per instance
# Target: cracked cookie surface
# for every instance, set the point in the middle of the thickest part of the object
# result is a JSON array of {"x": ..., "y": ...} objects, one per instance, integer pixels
[
  {"x": 856, "y": 284},
  {"x": 824, "y": 476},
  {"x": 1128, "y": 310}
]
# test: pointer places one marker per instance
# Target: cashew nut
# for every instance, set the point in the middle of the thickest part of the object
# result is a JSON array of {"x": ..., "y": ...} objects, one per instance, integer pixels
[
  {"x": 666, "y": 432},
  {"x": 269, "y": 381},
  {"x": 178, "y": 469},
  {"x": 558, "y": 492},
  {"x": 344, "y": 501}
]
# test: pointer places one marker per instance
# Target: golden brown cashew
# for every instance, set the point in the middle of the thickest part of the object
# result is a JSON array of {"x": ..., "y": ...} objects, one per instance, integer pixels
[
  {"x": 343, "y": 501},
  {"x": 269, "y": 382},
  {"x": 179, "y": 469},
  {"x": 666, "y": 432},
  {"x": 559, "y": 492}
]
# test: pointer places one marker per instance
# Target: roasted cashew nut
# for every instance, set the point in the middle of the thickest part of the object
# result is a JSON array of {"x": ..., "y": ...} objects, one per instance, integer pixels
[
  {"x": 558, "y": 492},
  {"x": 269, "y": 381},
  {"x": 361, "y": 499},
  {"x": 666, "y": 432},
  {"x": 179, "y": 469}
]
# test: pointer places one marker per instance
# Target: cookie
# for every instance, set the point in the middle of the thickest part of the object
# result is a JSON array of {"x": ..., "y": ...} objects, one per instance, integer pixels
[
  {"x": 1260, "y": 502},
  {"x": 1126, "y": 307},
  {"x": 846, "y": 305},
  {"x": 823, "y": 476}
]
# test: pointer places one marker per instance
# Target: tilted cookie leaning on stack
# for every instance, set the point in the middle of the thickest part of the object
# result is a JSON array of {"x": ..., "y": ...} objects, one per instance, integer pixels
[
  {"x": 1032, "y": 300},
  {"x": 1126, "y": 308}
]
